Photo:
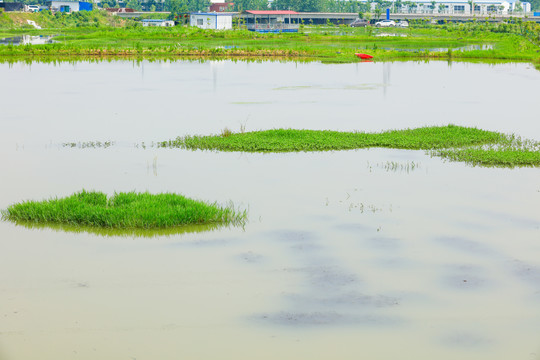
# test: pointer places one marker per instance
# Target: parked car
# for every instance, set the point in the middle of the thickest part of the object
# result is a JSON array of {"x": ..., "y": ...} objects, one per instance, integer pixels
[
  {"x": 359, "y": 23},
  {"x": 385, "y": 23},
  {"x": 32, "y": 8},
  {"x": 402, "y": 24}
]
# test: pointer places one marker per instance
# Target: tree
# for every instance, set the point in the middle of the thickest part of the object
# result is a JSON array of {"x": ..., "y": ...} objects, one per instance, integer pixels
[
  {"x": 378, "y": 12},
  {"x": 518, "y": 7},
  {"x": 442, "y": 8},
  {"x": 471, "y": 4},
  {"x": 363, "y": 8},
  {"x": 176, "y": 7},
  {"x": 398, "y": 4},
  {"x": 241, "y": 5},
  {"x": 134, "y": 4}
]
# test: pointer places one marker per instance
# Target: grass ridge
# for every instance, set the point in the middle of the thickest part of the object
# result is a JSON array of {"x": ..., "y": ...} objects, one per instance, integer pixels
[{"x": 456, "y": 143}]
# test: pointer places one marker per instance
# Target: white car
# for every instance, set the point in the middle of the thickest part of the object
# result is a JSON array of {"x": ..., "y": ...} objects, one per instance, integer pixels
[
  {"x": 403, "y": 24},
  {"x": 33, "y": 8},
  {"x": 385, "y": 23}
]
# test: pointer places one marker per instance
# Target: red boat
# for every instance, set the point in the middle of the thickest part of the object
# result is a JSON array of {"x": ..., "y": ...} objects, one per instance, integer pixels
[{"x": 364, "y": 56}]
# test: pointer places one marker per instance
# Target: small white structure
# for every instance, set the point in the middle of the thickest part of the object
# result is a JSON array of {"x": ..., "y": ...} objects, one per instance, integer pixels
[
  {"x": 69, "y": 6},
  {"x": 156, "y": 22},
  {"x": 214, "y": 20}
]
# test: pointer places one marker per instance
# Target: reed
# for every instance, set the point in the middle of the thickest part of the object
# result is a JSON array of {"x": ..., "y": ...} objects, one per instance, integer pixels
[{"x": 129, "y": 210}]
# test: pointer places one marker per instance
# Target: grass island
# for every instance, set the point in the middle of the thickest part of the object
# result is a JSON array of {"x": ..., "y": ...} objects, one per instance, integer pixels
[
  {"x": 456, "y": 143},
  {"x": 129, "y": 210}
]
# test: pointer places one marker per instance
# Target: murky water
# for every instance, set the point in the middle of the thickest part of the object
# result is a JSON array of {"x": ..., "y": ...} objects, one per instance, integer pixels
[{"x": 376, "y": 253}]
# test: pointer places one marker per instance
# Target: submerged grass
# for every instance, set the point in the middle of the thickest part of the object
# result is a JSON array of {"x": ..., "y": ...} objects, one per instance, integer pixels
[
  {"x": 124, "y": 211},
  {"x": 512, "y": 152},
  {"x": 457, "y": 143}
]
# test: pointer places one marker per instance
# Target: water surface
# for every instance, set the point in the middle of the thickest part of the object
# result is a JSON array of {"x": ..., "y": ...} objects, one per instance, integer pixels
[{"x": 347, "y": 255}]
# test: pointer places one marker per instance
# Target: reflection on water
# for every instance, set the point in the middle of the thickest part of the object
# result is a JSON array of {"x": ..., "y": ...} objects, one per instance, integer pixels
[
  {"x": 375, "y": 253},
  {"x": 482, "y": 47},
  {"x": 28, "y": 40},
  {"x": 134, "y": 233}
]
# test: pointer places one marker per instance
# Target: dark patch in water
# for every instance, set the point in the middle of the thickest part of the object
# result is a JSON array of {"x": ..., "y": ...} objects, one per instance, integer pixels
[
  {"x": 465, "y": 340},
  {"x": 326, "y": 276},
  {"x": 251, "y": 257},
  {"x": 527, "y": 272},
  {"x": 352, "y": 298},
  {"x": 465, "y": 277},
  {"x": 305, "y": 247},
  {"x": 465, "y": 281},
  {"x": 289, "y": 318}
]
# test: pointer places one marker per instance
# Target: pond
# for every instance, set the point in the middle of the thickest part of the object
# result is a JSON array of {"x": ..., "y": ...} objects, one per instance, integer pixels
[{"x": 375, "y": 253}]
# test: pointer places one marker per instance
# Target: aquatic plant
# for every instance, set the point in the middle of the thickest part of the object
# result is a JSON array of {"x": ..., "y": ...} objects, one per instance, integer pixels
[
  {"x": 89, "y": 144},
  {"x": 512, "y": 152},
  {"x": 472, "y": 145},
  {"x": 129, "y": 210}
]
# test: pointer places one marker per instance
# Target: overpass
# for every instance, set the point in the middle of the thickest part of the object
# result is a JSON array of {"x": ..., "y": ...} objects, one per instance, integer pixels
[{"x": 308, "y": 18}]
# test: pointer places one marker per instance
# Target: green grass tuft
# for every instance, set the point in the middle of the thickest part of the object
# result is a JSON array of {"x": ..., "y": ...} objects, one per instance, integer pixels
[
  {"x": 124, "y": 211},
  {"x": 474, "y": 146}
]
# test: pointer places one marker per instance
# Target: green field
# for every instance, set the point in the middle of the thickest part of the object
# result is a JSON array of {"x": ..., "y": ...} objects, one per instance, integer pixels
[{"x": 96, "y": 35}]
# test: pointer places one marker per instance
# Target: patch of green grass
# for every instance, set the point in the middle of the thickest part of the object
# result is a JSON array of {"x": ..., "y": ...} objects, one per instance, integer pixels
[
  {"x": 471, "y": 145},
  {"x": 512, "y": 152},
  {"x": 286, "y": 140},
  {"x": 123, "y": 211}
]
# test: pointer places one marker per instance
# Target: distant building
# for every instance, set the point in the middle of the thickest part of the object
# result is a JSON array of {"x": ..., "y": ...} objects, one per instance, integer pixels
[
  {"x": 456, "y": 7},
  {"x": 69, "y": 6},
  {"x": 155, "y": 22},
  {"x": 221, "y": 7},
  {"x": 271, "y": 20},
  {"x": 216, "y": 20}
]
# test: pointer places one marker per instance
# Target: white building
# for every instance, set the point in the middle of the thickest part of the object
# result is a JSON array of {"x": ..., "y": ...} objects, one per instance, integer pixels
[
  {"x": 481, "y": 7},
  {"x": 69, "y": 6},
  {"x": 218, "y": 21}
]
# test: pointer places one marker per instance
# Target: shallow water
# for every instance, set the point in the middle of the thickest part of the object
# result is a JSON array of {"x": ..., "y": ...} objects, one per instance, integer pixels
[
  {"x": 482, "y": 47},
  {"x": 347, "y": 255}
]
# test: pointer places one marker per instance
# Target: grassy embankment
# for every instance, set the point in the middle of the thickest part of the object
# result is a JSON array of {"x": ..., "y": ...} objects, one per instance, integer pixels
[
  {"x": 96, "y": 34},
  {"x": 124, "y": 211},
  {"x": 456, "y": 143}
]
